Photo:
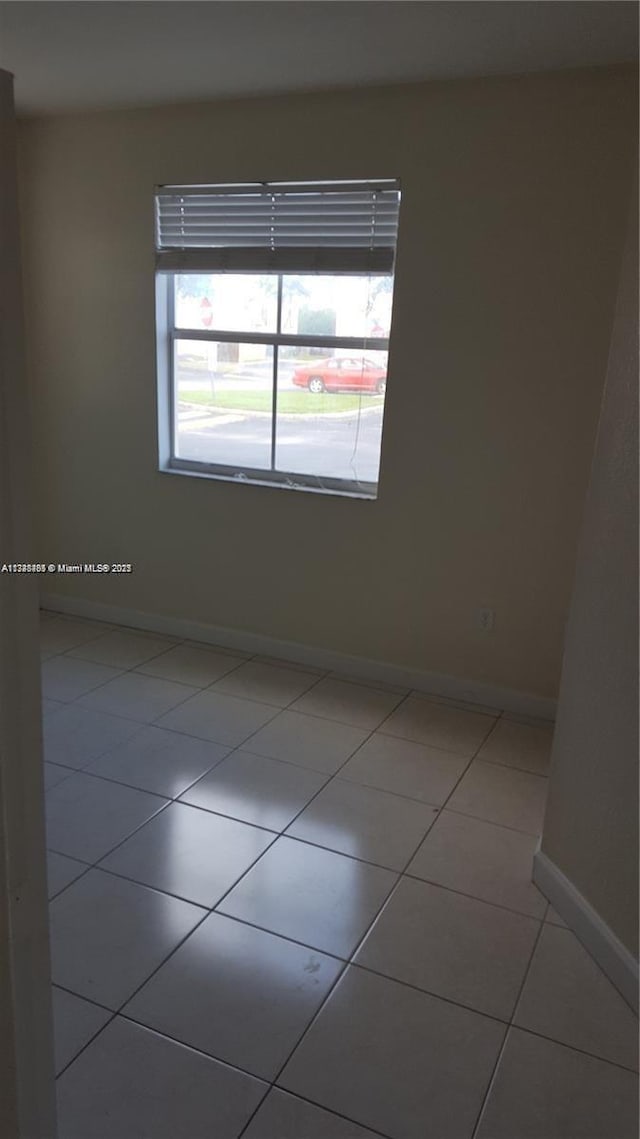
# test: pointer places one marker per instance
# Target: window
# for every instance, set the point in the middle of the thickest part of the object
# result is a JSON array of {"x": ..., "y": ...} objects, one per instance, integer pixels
[{"x": 273, "y": 315}]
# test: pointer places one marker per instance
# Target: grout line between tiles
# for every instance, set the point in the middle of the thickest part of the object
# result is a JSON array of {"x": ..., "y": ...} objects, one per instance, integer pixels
[
  {"x": 181, "y": 897},
  {"x": 81, "y": 997},
  {"x": 351, "y": 964},
  {"x": 314, "y": 1103},
  {"x": 105, "y": 779},
  {"x": 342, "y": 972},
  {"x": 344, "y": 854},
  {"x": 510, "y": 767},
  {"x": 391, "y": 894},
  {"x": 574, "y": 1048},
  {"x": 62, "y": 889},
  {"x": 243, "y": 696},
  {"x": 409, "y": 739},
  {"x": 492, "y": 822},
  {"x": 501, "y": 1050},
  {"x": 472, "y": 897},
  {"x": 94, "y": 863},
  {"x": 294, "y": 1095},
  {"x": 195, "y": 1048},
  {"x": 513, "y": 767}
]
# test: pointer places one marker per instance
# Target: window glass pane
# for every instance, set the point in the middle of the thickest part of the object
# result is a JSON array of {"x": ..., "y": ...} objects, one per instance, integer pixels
[
  {"x": 336, "y": 305},
  {"x": 330, "y": 408},
  {"x": 229, "y": 302},
  {"x": 223, "y": 399}
]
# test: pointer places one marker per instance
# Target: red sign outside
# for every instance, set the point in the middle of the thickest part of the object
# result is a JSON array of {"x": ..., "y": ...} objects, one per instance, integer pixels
[{"x": 206, "y": 315}]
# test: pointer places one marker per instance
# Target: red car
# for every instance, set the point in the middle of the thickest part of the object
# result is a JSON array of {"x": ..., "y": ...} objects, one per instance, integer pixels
[{"x": 341, "y": 373}]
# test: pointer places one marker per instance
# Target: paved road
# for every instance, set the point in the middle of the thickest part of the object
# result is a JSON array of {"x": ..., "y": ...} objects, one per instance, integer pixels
[
  {"x": 252, "y": 377},
  {"x": 336, "y": 447}
]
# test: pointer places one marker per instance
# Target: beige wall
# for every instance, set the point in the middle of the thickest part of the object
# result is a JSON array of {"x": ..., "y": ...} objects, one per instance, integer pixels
[
  {"x": 511, "y": 231},
  {"x": 591, "y": 825}
]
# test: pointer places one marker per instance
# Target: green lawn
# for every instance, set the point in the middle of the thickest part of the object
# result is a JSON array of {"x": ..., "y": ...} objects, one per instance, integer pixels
[{"x": 289, "y": 403}]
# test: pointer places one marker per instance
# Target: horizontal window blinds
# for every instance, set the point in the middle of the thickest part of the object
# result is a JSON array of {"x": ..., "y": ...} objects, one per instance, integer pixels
[{"x": 292, "y": 227}]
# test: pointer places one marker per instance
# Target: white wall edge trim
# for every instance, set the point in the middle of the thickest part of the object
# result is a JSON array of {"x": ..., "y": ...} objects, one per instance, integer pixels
[
  {"x": 597, "y": 937},
  {"x": 431, "y": 683}
]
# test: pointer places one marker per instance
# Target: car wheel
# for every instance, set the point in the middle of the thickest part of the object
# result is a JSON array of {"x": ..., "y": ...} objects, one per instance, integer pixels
[
  {"x": 316, "y": 384},
  {"x": 381, "y": 387}
]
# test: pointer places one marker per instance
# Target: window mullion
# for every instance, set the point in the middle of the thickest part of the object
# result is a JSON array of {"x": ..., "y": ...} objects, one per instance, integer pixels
[
  {"x": 171, "y": 323},
  {"x": 294, "y": 340},
  {"x": 274, "y": 405}
]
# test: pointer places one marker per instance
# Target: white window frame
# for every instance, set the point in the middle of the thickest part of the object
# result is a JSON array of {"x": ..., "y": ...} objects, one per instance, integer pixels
[{"x": 174, "y": 262}]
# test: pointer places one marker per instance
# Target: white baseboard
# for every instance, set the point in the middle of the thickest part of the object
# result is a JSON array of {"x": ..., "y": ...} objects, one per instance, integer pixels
[
  {"x": 432, "y": 683},
  {"x": 598, "y": 939}
]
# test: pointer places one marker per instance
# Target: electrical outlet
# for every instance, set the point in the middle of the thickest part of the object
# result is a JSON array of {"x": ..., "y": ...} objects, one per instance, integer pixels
[{"x": 486, "y": 619}]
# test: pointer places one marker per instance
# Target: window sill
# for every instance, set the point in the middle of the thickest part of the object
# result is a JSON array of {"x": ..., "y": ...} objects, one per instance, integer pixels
[{"x": 364, "y": 493}]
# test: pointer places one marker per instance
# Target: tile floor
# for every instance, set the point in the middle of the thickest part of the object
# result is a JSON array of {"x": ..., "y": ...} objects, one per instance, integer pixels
[{"x": 287, "y": 905}]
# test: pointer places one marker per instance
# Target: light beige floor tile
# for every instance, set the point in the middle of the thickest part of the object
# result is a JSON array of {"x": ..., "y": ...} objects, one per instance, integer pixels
[
  {"x": 192, "y": 664},
  {"x": 223, "y": 719},
  {"x": 311, "y": 895},
  {"x": 519, "y": 745},
  {"x": 75, "y": 1022},
  {"x": 49, "y": 707},
  {"x": 131, "y": 1082},
  {"x": 156, "y": 760},
  {"x": 76, "y": 736},
  {"x": 396, "y": 1060},
  {"x": 532, "y": 721},
  {"x": 543, "y": 1090},
  {"x": 487, "y": 861},
  {"x": 137, "y": 697},
  {"x": 501, "y": 795},
  {"x": 285, "y": 663},
  {"x": 348, "y": 703},
  {"x": 108, "y": 935},
  {"x": 384, "y": 1056},
  {"x": 122, "y": 648},
  {"x": 237, "y": 993},
  {"x": 62, "y": 870},
  {"x": 439, "y": 725},
  {"x": 405, "y": 768},
  {"x": 453, "y": 946},
  {"x": 193, "y": 854},
  {"x": 365, "y": 823},
  {"x": 271, "y": 683},
  {"x": 285, "y": 1116},
  {"x": 309, "y": 741},
  {"x": 54, "y": 774},
  {"x": 553, "y": 917},
  {"x": 466, "y": 705},
  {"x": 87, "y": 817},
  {"x": 266, "y": 792},
  {"x": 45, "y": 653},
  {"x": 64, "y": 678},
  {"x": 59, "y": 634},
  {"x": 227, "y": 650},
  {"x": 379, "y": 685},
  {"x": 568, "y": 998}
]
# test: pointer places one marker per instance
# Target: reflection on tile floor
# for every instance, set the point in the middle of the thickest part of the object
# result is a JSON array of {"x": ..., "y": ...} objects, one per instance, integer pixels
[{"x": 384, "y": 968}]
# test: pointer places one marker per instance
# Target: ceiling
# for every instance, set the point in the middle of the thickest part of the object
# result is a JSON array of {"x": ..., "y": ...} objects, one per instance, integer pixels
[{"x": 96, "y": 54}]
